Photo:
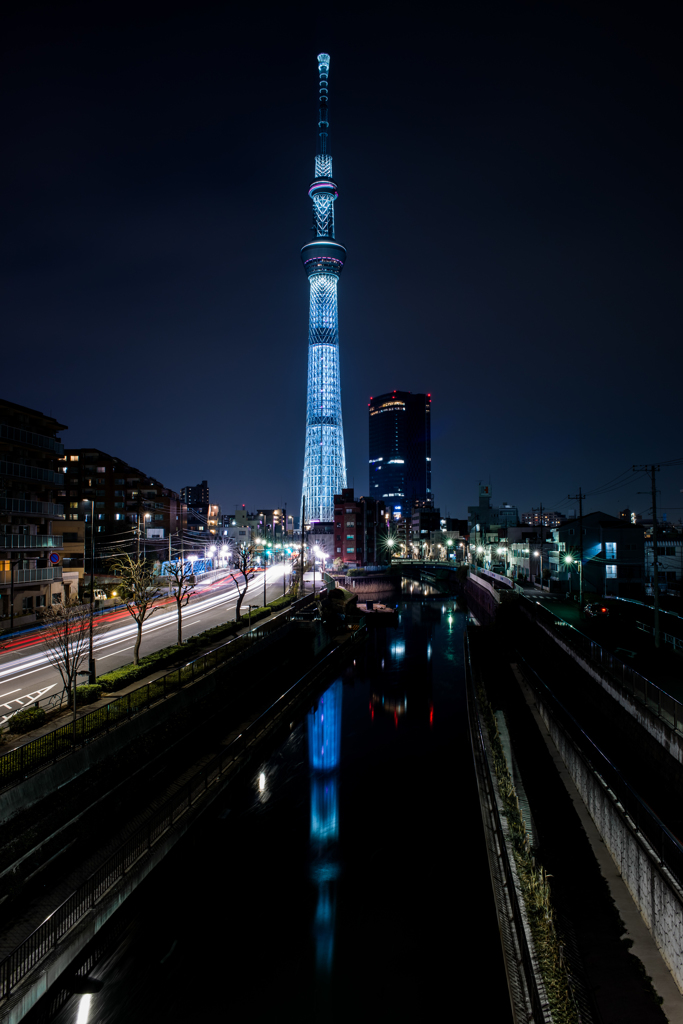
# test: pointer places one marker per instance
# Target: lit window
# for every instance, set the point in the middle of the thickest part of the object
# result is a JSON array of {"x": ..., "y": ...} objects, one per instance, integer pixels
[
  {"x": 610, "y": 550},
  {"x": 350, "y": 551},
  {"x": 611, "y": 572},
  {"x": 73, "y": 504},
  {"x": 73, "y": 458}
]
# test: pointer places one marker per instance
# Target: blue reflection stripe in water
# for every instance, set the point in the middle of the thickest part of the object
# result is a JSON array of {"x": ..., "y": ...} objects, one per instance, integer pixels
[
  {"x": 324, "y": 808},
  {"x": 324, "y": 730},
  {"x": 323, "y": 928}
]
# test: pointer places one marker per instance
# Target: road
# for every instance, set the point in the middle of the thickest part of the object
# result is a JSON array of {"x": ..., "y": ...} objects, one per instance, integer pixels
[{"x": 26, "y": 674}]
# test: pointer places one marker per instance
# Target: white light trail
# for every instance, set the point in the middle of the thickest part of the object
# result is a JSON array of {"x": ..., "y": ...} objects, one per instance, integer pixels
[{"x": 30, "y": 663}]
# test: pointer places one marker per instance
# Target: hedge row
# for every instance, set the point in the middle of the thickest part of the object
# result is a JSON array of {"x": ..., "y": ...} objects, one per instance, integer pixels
[{"x": 170, "y": 656}]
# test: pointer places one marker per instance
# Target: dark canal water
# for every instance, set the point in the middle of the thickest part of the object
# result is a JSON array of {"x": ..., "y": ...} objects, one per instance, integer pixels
[{"x": 345, "y": 878}]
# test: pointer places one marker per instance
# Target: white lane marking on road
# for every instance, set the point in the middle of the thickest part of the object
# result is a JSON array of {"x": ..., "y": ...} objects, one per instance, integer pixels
[
  {"x": 41, "y": 662},
  {"x": 23, "y": 701},
  {"x": 10, "y": 691}
]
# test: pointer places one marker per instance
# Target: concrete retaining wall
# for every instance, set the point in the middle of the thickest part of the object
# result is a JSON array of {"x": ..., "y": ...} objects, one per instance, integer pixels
[
  {"x": 655, "y": 892},
  {"x": 653, "y": 723},
  {"x": 51, "y": 778}
]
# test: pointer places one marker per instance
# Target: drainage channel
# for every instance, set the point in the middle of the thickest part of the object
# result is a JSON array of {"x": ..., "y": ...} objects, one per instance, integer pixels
[{"x": 344, "y": 873}]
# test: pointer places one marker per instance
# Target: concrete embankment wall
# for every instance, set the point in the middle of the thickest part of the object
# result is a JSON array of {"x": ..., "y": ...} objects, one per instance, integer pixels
[
  {"x": 528, "y": 996},
  {"x": 49, "y": 779},
  {"x": 48, "y": 970},
  {"x": 653, "y": 723},
  {"x": 481, "y": 593},
  {"x": 655, "y": 892}
]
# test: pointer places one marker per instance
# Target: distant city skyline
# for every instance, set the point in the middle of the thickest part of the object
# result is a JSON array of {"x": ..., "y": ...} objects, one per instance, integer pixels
[{"x": 515, "y": 250}]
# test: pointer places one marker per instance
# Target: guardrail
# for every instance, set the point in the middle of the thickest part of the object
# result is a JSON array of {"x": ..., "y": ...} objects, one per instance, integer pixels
[
  {"x": 664, "y": 843},
  {"x": 24, "y": 958},
  {"x": 675, "y": 641},
  {"x": 17, "y": 764},
  {"x": 641, "y": 689}
]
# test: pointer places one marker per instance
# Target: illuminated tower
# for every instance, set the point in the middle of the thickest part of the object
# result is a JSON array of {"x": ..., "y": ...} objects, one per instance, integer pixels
[{"x": 323, "y": 259}]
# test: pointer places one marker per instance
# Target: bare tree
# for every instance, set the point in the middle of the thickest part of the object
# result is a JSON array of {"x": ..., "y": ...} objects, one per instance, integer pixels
[
  {"x": 180, "y": 575},
  {"x": 244, "y": 564},
  {"x": 140, "y": 592},
  {"x": 67, "y": 639}
]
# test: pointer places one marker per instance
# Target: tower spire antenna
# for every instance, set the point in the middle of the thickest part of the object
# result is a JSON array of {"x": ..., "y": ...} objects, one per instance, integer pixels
[
  {"x": 323, "y": 259},
  {"x": 323, "y": 111}
]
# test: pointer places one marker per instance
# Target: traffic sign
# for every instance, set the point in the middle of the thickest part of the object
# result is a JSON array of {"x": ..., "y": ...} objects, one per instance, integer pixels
[{"x": 54, "y": 558}]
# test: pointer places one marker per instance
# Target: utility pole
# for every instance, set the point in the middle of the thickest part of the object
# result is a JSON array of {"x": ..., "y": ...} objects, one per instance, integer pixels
[
  {"x": 580, "y": 497},
  {"x": 92, "y": 675},
  {"x": 540, "y": 565},
  {"x": 652, "y": 469}
]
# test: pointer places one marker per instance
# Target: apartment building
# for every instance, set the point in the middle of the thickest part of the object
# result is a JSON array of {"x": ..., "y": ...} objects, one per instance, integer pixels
[{"x": 31, "y": 479}]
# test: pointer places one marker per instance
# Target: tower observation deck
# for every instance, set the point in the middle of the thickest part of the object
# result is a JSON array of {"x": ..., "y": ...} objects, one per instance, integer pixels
[{"x": 323, "y": 259}]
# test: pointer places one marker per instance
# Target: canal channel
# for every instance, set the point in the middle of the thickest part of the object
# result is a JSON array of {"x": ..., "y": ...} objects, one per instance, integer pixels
[{"x": 345, "y": 875}]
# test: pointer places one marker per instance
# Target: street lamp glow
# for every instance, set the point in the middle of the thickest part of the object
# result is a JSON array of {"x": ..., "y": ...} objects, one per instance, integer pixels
[
  {"x": 568, "y": 559},
  {"x": 479, "y": 550}
]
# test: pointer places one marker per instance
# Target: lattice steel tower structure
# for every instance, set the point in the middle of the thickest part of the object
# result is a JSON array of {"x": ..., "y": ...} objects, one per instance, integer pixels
[{"x": 323, "y": 259}]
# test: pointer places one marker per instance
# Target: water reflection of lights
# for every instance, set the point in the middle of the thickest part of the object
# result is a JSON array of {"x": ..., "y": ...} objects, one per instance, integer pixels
[
  {"x": 429, "y": 651},
  {"x": 392, "y": 706},
  {"x": 398, "y": 649},
  {"x": 261, "y": 782},
  {"x": 324, "y": 748},
  {"x": 84, "y": 1009}
]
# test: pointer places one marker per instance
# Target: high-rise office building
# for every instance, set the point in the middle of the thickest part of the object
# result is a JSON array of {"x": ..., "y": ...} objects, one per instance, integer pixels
[
  {"x": 323, "y": 259},
  {"x": 401, "y": 451}
]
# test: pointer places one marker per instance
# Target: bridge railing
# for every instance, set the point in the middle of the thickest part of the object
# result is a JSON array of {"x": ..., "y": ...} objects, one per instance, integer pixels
[{"x": 23, "y": 761}]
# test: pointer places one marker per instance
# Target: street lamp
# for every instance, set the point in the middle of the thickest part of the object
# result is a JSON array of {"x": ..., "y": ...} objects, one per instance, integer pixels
[{"x": 568, "y": 560}]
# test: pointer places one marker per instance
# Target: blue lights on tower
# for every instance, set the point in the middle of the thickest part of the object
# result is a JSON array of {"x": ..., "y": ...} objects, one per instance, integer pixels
[{"x": 323, "y": 259}]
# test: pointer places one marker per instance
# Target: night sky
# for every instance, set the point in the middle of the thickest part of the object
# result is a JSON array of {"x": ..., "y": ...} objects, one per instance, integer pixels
[{"x": 510, "y": 197}]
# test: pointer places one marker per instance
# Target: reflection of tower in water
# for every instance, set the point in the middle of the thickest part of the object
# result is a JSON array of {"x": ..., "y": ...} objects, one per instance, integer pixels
[{"x": 324, "y": 746}]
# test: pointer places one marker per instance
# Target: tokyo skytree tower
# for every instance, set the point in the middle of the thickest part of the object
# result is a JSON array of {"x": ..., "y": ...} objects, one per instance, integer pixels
[{"x": 323, "y": 259}]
